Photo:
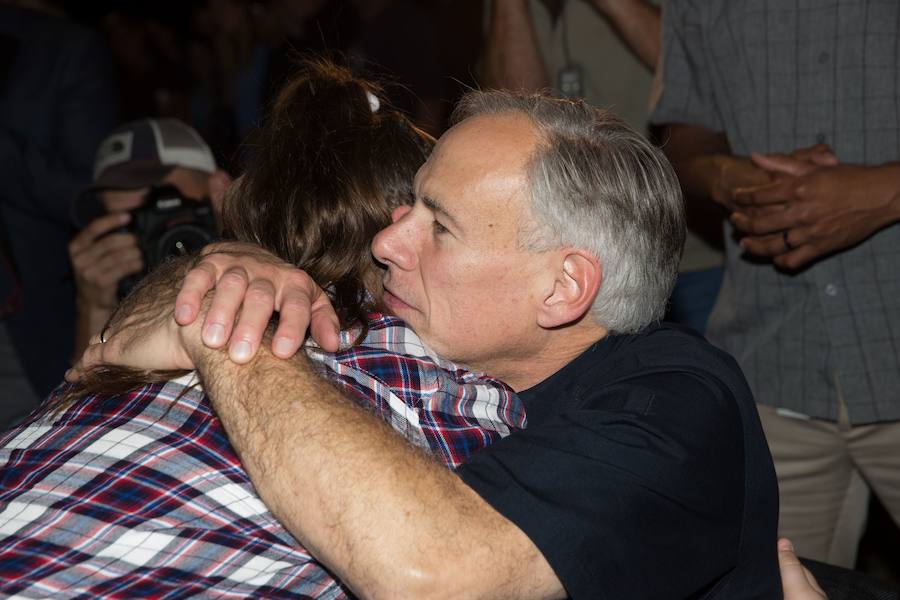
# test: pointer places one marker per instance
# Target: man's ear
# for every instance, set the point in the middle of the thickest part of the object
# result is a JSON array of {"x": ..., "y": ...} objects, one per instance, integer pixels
[{"x": 575, "y": 287}]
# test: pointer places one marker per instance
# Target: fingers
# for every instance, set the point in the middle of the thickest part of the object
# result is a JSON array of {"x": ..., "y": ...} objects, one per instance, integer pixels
[
  {"x": 797, "y": 581},
  {"x": 251, "y": 285},
  {"x": 294, "y": 313},
  {"x": 110, "y": 245},
  {"x": 782, "y": 163},
  {"x": 762, "y": 224},
  {"x": 325, "y": 329},
  {"x": 780, "y": 191},
  {"x": 802, "y": 250},
  {"x": 799, "y": 257},
  {"x": 230, "y": 291},
  {"x": 305, "y": 305},
  {"x": 99, "y": 264},
  {"x": 819, "y": 154},
  {"x": 107, "y": 270},
  {"x": 197, "y": 283},
  {"x": 258, "y": 306},
  {"x": 96, "y": 229}
]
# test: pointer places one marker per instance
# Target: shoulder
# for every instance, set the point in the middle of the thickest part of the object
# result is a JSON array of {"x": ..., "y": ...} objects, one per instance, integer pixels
[{"x": 664, "y": 360}]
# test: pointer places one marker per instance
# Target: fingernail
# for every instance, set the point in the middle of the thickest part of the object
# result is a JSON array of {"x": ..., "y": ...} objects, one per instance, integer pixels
[
  {"x": 241, "y": 351},
  {"x": 215, "y": 334},
  {"x": 183, "y": 313},
  {"x": 124, "y": 217},
  {"x": 282, "y": 347}
]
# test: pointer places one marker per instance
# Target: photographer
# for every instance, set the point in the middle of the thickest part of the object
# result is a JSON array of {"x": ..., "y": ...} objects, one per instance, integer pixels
[{"x": 123, "y": 235}]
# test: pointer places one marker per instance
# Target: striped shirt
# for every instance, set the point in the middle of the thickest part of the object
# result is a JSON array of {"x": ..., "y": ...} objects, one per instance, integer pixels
[
  {"x": 141, "y": 495},
  {"x": 775, "y": 76}
]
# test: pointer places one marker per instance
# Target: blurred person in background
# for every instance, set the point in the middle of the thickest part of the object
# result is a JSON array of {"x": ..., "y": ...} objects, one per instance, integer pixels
[
  {"x": 135, "y": 158},
  {"x": 604, "y": 51},
  {"x": 57, "y": 100},
  {"x": 788, "y": 117}
]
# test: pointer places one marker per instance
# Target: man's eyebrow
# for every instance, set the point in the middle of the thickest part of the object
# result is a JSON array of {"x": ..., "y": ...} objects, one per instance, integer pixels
[{"x": 437, "y": 207}]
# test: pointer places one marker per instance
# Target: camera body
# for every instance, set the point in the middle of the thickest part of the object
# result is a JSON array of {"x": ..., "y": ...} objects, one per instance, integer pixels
[{"x": 167, "y": 225}]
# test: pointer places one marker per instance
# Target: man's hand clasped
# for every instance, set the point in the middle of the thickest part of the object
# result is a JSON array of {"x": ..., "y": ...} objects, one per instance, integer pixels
[
  {"x": 249, "y": 285},
  {"x": 813, "y": 206}
]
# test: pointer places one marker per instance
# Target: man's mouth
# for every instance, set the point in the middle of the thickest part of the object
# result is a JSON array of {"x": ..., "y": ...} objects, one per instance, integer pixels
[{"x": 393, "y": 302}]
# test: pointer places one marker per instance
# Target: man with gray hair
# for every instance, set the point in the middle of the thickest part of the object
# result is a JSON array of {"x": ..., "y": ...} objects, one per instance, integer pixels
[{"x": 541, "y": 247}]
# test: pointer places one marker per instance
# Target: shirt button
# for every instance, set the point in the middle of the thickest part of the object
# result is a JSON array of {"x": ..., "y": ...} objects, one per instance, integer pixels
[
  {"x": 823, "y": 58},
  {"x": 821, "y": 138},
  {"x": 831, "y": 290}
]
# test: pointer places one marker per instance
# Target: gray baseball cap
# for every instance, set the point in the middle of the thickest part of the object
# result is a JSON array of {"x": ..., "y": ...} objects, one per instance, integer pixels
[{"x": 142, "y": 153}]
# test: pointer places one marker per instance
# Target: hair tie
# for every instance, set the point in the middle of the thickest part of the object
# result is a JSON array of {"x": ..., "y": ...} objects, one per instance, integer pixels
[{"x": 374, "y": 103}]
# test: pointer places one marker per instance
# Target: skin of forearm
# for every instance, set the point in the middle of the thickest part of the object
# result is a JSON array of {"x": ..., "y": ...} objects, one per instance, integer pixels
[
  {"x": 638, "y": 22},
  {"x": 385, "y": 518},
  {"x": 513, "y": 58},
  {"x": 891, "y": 173},
  {"x": 699, "y": 157}
]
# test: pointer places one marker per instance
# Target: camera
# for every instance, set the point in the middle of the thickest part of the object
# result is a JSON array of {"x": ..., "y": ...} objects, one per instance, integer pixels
[{"x": 167, "y": 225}]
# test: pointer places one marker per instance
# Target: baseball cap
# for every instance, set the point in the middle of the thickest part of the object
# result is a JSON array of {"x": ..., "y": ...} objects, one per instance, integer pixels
[{"x": 141, "y": 153}]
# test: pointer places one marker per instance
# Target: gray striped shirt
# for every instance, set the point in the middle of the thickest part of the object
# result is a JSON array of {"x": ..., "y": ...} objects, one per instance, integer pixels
[{"x": 776, "y": 75}]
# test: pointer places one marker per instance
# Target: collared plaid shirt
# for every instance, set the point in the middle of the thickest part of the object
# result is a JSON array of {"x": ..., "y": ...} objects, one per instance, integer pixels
[{"x": 141, "y": 495}]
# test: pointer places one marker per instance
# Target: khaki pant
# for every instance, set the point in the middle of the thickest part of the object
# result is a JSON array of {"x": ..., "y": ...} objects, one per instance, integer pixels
[{"x": 825, "y": 471}]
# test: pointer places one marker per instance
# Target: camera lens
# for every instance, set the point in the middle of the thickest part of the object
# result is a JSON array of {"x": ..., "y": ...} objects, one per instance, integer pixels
[{"x": 181, "y": 240}]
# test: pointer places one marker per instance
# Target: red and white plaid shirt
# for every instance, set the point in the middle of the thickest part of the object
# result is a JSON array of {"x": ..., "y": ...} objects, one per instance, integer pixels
[{"x": 141, "y": 495}]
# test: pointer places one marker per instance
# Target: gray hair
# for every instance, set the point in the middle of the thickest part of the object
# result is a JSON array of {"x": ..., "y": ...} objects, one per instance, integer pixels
[{"x": 598, "y": 185}]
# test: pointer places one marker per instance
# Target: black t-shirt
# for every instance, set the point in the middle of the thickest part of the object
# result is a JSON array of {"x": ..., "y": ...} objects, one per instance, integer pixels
[{"x": 643, "y": 473}]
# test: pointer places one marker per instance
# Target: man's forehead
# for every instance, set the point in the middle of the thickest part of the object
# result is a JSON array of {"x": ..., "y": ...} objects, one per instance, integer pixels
[{"x": 479, "y": 149}]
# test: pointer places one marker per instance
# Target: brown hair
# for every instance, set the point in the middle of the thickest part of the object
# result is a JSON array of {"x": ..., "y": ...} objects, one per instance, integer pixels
[{"x": 325, "y": 172}]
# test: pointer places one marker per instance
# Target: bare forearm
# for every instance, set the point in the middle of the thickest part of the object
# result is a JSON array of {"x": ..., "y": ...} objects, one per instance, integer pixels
[
  {"x": 889, "y": 173},
  {"x": 638, "y": 22},
  {"x": 514, "y": 58},
  {"x": 706, "y": 168},
  {"x": 388, "y": 520}
]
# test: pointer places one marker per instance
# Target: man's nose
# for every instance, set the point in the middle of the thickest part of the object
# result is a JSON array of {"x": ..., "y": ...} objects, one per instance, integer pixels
[{"x": 393, "y": 245}]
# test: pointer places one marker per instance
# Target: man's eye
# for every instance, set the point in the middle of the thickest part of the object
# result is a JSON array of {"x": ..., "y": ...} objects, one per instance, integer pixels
[{"x": 438, "y": 228}]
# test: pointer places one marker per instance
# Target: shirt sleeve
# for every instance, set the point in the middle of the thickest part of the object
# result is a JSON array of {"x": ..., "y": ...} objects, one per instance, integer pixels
[
  {"x": 626, "y": 504},
  {"x": 688, "y": 91}
]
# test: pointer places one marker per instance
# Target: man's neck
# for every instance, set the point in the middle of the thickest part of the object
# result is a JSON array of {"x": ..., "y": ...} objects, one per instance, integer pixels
[{"x": 560, "y": 347}]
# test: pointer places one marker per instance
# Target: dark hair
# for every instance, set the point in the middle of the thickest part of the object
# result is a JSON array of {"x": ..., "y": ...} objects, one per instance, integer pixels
[
  {"x": 326, "y": 170},
  {"x": 325, "y": 173}
]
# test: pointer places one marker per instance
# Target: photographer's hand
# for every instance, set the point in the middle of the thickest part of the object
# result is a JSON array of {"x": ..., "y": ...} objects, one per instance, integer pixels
[{"x": 99, "y": 260}]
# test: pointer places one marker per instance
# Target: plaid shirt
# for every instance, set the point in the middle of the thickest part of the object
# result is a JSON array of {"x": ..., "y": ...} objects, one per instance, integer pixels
[{"x": 141, "y": 495}]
